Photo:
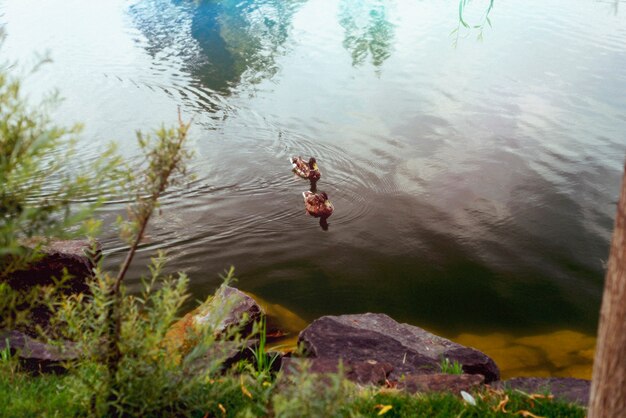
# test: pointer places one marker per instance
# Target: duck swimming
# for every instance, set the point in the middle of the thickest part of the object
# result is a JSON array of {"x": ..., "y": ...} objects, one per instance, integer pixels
[
  {"x": 317, "y": 204},
  {"x": 308, "y": 170}
]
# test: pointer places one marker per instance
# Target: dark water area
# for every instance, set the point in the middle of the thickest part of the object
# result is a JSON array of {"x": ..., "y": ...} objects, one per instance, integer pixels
[{"x": 474, "y": 181}]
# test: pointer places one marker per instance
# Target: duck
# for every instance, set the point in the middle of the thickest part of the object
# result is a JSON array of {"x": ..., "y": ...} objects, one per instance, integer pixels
[
  {"x": 308, "y": 170},
  {"x": 317, "y": 204}
]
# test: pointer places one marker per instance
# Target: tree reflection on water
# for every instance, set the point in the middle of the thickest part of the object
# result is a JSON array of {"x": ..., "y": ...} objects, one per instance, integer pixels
[
  {"x": 220, "y": 43},
  {"x": 368, "y": 31}
]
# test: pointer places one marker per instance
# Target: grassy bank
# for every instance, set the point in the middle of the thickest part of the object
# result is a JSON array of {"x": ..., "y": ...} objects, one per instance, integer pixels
[{"x": 23, "y": 395}]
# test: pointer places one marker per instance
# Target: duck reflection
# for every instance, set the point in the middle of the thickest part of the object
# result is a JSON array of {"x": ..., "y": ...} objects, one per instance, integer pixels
[{"x": 318, "y": 205}]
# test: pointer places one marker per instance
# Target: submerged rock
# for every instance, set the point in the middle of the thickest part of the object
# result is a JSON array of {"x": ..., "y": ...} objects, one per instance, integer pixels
[
  {"x": 410, "y": 350},
  {"x": 283, "y": 325},
  {"x": 562, "y": 353},
  {"x": 565, "y": 388}
]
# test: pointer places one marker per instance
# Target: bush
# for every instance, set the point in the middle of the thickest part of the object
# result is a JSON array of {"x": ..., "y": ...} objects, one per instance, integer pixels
[{"x": 38, "y": 194}]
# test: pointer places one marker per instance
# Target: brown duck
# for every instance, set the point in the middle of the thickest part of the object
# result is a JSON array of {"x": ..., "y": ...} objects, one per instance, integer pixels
[
  {"x": 308, "y": 170},
  {"x": 317, "y": 204}
]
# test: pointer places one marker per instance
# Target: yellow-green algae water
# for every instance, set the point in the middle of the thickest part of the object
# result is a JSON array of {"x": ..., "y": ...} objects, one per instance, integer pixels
[{"x": 562, "y": 353}]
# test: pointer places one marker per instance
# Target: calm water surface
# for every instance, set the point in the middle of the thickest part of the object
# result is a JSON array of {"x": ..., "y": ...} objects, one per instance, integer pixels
[{"x": 474, "y": 182}]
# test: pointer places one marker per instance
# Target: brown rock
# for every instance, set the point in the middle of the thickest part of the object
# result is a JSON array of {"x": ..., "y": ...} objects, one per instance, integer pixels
[
  {"x": 565, "y": 388},
  {"x": 363, "y": 372},
  {"x": 440, "y": 383},
  {"x": 59, "y": 256},
  {"x": 409, "y": 349}
]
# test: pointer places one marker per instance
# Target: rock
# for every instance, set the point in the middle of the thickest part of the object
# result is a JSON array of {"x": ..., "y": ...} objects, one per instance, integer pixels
[
  {"x": 474, "y": 362},
  {"x": 441, "y": 383},
  {"x": 363, "y": 372},
  {"x": 409, "y": 349},
  {"x": 70, "y": 255},
  {"x": 59, "y": 255},
  {"x": 229, "y": 309},
  {"x": 35, "y": 355},
  {"x": 223, "y": 355},
  {"x": 565, "y": 388}
]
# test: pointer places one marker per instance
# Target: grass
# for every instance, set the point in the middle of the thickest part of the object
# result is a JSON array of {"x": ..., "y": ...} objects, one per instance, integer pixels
[
  {"x": 45, "y": 396},
  {"x": 489, "y": 404},
  {"x": 263, "y": 361},
  {"x": 22, "y": 395},
  {"x": 449, "y": 367}
]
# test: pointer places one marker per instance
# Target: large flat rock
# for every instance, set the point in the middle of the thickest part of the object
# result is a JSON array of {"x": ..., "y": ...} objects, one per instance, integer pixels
[{"x": 410, "y": 350}]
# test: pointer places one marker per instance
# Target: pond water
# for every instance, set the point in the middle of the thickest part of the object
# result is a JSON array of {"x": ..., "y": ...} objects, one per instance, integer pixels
[{"x": 474, "y": 180}]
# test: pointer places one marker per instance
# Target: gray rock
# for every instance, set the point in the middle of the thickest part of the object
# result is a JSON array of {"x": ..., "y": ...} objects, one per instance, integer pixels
[
  {"x": 565, "y": 388},
  {"x": 221, "y": 355},
  {"x": 409, "y": 349},
  {"x": 35, "y": 355},
  {"x": 228, "y": 308}
]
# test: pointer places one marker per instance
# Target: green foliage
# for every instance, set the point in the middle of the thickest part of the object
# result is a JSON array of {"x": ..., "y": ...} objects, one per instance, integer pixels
[
  {"x": 165, "y": 158},
  {"x": 23, "y": 395},
  {"x": 304, "y": 394},
  {"x": 8, "y": 363},
  {"x": 451, "y": 367},
  {"x": 152, "y": 379},
  {"x": 263, "y": 361},
  {"x": 37, "y": 191},
  {"x": 45, "y": 193},
  {"x": 478, "y": 26},
  {"x": 164, "y": 166},
  {"x": 489, "y": 404}
]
